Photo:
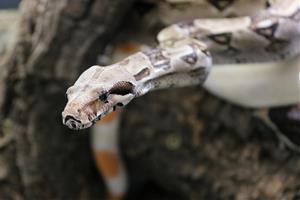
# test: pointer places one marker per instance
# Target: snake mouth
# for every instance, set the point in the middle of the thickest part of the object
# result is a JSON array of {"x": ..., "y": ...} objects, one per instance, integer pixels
[
  {"x": 88, "y": 115},
  {"x": 105, "y": 110},
  {"x": 74, "y": 123}
]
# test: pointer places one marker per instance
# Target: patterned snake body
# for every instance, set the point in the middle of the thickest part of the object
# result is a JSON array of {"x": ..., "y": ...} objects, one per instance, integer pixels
[
  {"x": 184, "y": 57},
  {"x": 270, "y": 35}
]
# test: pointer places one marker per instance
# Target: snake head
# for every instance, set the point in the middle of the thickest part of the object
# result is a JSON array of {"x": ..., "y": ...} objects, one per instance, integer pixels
[{"x": 96, "y": 93}]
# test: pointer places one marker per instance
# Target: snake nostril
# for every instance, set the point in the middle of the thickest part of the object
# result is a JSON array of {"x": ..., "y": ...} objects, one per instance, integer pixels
[
  {"x": 69, "y": 117},
  {"x": 73, "y": 124}
]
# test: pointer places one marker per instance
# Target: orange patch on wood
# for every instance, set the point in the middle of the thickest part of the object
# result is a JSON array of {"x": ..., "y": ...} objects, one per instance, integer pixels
[
  {"x": 109, "y": 118},
  {"x": 128, "y": 47},
  {"x": 108, "y": 163},
  {"x": 264, "y": 112},
  {"x": 113, "y": 197}
]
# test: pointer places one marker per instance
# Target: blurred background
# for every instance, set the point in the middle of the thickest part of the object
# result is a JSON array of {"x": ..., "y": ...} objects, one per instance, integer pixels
[
  {"x": 9, "y": 16},
  {"x": 177, "y": 144},
  {"x": 9, "y": 4}
]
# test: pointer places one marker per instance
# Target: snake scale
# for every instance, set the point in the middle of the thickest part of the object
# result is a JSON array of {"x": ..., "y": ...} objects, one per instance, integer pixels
[{"x": 185, "y": 55}]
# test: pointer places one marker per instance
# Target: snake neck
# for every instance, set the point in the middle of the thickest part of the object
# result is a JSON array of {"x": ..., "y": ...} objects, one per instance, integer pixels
[{"x": 166, "y": 67}]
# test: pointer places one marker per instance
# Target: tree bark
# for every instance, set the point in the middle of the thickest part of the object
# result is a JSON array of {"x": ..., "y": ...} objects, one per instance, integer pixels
[
  {"x": 57, "y": 39},
  {"x": 178, "y": 144},
  {"x": 186, "y": 144}
]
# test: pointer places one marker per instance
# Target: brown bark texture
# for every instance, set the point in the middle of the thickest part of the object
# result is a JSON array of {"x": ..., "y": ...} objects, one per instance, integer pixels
[
  {"x": 188, "y": 144},
  {"x": 177, "y": 144},
  {"x": 57, "y": 39}
]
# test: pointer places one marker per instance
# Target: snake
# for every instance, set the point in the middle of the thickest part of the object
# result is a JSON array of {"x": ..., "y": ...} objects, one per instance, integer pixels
[{"x": 185, "y": 54}]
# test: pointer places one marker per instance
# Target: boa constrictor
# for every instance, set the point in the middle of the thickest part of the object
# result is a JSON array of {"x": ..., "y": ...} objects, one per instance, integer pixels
[{"x": 184, "y": 57}]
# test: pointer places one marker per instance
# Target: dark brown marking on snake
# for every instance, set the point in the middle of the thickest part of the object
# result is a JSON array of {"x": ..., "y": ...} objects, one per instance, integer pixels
[
  {"x": 223, "y": 38},
  {"x": 221, "y": 4},
  {"x": 122, "y": 88},
  {"x": 197, "y": 72},
  {"x": 267, "y": 32},
  {"x": 95, "y": 112},
  {"x": 162, "y": 64},
  {"x": 200, "y": 73},
  {"x": 206, "y": 52},
  {"x": 90, "y": 117},
  {"x": 98, "y": 117},
  {"x": 191, "y": 58},
  {"x": 276, "y": 45},
  {"x": 142, "y": 74},
  {"x": 157, "y": 59}
]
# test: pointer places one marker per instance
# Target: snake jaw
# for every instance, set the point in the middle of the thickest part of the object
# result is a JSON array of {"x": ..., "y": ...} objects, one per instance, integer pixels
[
  {"x": 81, "y": 113},
  {"x": 81, "y": 117}
]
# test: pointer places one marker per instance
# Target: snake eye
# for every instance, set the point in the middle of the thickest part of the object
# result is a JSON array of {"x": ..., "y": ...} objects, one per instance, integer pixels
[
  {"x": 103, "y": 97},
  {"x": 122, "y": 88}
]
